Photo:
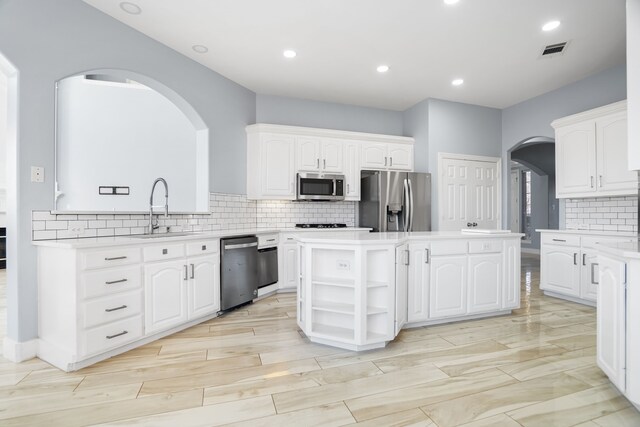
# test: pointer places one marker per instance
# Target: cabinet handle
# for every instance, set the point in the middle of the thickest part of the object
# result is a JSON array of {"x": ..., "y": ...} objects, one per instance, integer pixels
[
  {"x": 575, "y": 255},
  {"x": 584, "y": 259},
  {"x": 558, "y": 240},
  {"x": 115, "y": 258},
  {"x": 385, "y": 161},
  {"x": 324, "y": 163},
  {"x": 185, "y": 272},
  {"x": 113, "y": 282},
  {"x": 600, "y": 181},
  {"x": 591, "y": 181},
  {"x": 193, "y": 271},
  {"x": 109, "y": 310},
  {"x": 347, "y": 188},
  {"x": 117, "y": 335},
  {"x": 390, "y": 161},
  {"x": 593, "y": 280},
  {"x": 407, "y": 257},
  {"x": 268, "y": 240},
  {"x": 428, "y": 256}
]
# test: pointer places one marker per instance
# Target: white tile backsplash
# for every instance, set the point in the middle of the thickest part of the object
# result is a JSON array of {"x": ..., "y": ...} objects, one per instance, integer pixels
[
  {"x": 615, "y": 214},
  {"x": 227, "y": 212}
]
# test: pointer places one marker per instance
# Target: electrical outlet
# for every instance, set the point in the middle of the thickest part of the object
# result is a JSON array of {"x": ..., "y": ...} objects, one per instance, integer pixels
[
  {"x": 37, "y": 174},
  {"x": 76, "y": 229},
  {"x": 343, "y": 264}
]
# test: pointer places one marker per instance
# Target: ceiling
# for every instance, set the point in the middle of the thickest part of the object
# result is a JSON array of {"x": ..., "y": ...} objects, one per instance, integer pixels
[{"x": 494, "y": 45}]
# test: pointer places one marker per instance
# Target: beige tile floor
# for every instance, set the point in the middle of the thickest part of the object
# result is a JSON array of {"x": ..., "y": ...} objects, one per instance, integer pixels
[{"x": 254, "y": 368}]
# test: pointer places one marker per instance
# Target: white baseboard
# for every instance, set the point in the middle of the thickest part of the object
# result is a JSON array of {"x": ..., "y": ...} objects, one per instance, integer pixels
[
  {"x": 19, "y": 351},
  {"x": 530, "y": 251}
]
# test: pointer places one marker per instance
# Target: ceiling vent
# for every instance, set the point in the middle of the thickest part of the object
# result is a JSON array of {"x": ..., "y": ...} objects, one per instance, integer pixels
[{"x": 554, "y": 49}]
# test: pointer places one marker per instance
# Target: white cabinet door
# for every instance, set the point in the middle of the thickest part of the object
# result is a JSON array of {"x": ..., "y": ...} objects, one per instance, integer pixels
[
  {"x": 589, "y": 274},
  {"x": 352, "y": 170},
  {"x": 559, "y": 270},
  {"x": 278, "y": 166},
  {"x": 485, "y": 283},
  {"x": 331, "y": 156},
  {"x": 611, "y": 321},
  {"x": 400, "y": 156},
  {"x": 402, "y": 261},
  {"x": 613, "y": 174},
  {"x": 308, "y": 154},
  {"x": 165, "y": 294},
  {"x": 511, "y": 281},
  {"x": 204, "y": 286},
  {"x": 576, "y": 158},
  {"x": 418, "y": 283},
  {"x": 288, "y": 276},
  {"x": 374, "y": 156},
  {"x": 448, "y": 286}
]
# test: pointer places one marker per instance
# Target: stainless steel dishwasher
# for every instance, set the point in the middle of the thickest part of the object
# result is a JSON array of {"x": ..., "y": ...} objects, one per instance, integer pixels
[{"x": 238, "y": 271}]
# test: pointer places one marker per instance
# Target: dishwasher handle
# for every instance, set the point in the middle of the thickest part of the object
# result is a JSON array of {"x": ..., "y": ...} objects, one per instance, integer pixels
[{"x": 240, "y": 246}]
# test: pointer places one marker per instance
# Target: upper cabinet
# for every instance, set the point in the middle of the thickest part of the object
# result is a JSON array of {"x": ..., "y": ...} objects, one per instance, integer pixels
[
  {"x": 275, "y": 154},
  {"x": 591, "y": 154}
]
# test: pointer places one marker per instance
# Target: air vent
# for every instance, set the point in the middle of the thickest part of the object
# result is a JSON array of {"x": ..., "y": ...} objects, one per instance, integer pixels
[{"x": 554, "y": 49}]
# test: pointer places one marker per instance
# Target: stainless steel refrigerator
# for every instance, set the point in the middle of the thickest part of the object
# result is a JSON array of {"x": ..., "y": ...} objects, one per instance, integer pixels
[{"x": 395, "y": 201}]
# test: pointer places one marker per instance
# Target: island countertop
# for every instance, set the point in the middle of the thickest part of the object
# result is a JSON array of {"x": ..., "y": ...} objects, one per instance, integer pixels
[{"x": 354, "y": 238}]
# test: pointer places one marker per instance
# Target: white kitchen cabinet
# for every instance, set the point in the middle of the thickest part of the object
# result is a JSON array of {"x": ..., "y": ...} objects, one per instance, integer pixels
[
  {"x": 611, "y": 320},
  {"x": 511, "y": 281},
  {"x": 402, "y": 279},
  {"x": 589, "y": 274},
  {"x": 560, "y": 271},
  {"x": 352, "y": 170},
  {"x": 418, "y": 282},
  {"x": 387, "y": 156},
  {"x": 591, "y": 154},
  {"x": 271, "y": 167},
  {"x": 332, "y": 152},
  {"x": 319, "y": 155},
  {"x": 204, "y": 286},
  {"x": 288, "y": 253},
  {"x": 308, "y": 153},
  {"x": 485, "y": 283},
  {"x": 165, "y": 294},
  {"x": 448, "y": 286}
]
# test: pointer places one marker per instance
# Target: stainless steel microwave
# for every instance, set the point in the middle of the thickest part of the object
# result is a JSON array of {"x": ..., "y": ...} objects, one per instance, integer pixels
[{"x": 320, "y": 186}]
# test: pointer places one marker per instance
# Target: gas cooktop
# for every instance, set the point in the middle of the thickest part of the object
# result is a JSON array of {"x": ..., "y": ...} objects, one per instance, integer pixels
[{"x": 333, "y": 225}]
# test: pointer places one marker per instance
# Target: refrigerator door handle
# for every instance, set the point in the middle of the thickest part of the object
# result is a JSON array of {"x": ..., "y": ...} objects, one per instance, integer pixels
[
  {"x": 410, "y": 226},
  {"x": 405, "y": 206}
]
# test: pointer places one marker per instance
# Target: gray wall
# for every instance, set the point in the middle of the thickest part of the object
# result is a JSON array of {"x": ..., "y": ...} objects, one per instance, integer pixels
[
  {"x": 47, "y": 41},
  {"x": 416, "y": 125},
  {"x": 281, "y": 110},
  {"x": 534, "y": 116},
  {"x": 460, "y": 129}
]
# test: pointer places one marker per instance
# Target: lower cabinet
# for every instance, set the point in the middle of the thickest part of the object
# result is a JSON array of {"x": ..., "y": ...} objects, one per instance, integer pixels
[
  {"x": 418, "y": 283},
  {"x": 485, "y": 283},
  {"x": 289, "y": 269},
  {"x": 448, "y": 286},
  {"x": 180, "y": 290},
  {"x": 402, "y": 298},
  {"x": 560, "y": 271}
]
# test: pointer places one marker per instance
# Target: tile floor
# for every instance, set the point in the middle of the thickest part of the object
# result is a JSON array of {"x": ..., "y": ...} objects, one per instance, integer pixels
[{"x": 254, "y": 368}]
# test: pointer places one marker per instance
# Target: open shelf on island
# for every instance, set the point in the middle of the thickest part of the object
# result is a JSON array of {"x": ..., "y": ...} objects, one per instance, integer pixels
[
  {"x": 333, "y": 307},
  {"x": 333, "y": 281},
  {"x": 333, "y": 332},
  {"x": 376, "y": 310},
  {"x": 374, "y": 284}
]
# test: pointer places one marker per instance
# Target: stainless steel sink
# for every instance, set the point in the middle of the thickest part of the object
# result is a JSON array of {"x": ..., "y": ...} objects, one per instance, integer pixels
[{"x": 160, "y": 235}]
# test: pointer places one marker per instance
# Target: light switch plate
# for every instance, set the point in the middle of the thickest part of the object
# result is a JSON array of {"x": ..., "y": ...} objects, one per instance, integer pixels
[{"x": 37, "y": 174}]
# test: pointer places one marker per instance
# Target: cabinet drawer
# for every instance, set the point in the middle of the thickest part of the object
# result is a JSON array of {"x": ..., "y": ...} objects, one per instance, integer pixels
[
  {"x": 485, "y": 246},
  {"x": 203, "y": 247},
  {"x": 111, "y": 308},
  {"x": 110, "y": 281},
  {"x": 449, "y": 247},
  {"x": 161, "y": 252},
  {"x": 109, "y": 257},
  {"x": 266, "y": 240},
  {"x": 111, "y": 335},
  {"x": 592, "y": 241},
  {"x": 560, "y": 239}
]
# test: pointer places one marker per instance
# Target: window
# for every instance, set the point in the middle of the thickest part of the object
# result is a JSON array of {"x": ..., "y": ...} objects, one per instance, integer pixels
[{"x": 527, "y": 223}]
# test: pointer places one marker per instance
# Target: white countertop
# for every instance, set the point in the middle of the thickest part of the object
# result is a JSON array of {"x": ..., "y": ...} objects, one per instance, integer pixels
[
  {"x": 623, "y": 250},
  {"x": 590, "y": 232},
  {"x": 100, "y": 242},
  {"x": 353, "y": 238}
]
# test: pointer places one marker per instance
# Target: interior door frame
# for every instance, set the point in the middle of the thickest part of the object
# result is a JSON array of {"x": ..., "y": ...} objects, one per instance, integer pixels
[{"x": 453, "y": 156}]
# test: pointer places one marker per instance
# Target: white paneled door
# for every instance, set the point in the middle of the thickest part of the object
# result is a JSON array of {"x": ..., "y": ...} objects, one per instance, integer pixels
[{"x": 469, "y": 193}]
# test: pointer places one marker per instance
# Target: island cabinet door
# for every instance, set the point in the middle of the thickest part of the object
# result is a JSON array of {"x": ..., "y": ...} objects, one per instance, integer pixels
[
  {"x": 485, "y": 283},
  {"x": 448, "y": 286},
  {"x": 560, "y": 269},
  {"x": 418, "y": 283},
  {"x": 402, "y": 264},
  {"x": 511, "y": 280},
  {"x": 165, "y": 294}
]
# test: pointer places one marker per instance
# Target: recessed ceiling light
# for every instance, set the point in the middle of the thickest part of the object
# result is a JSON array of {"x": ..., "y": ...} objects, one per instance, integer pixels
[
  {"x": 457, "y": 82},
  {"x": 130, "y": 8},
  {"x": 289, "y": 53},
  {"x": 200, "y": 48},
  {"x": 551, "y": 25},
  {"x": 451, "y": 1},
  {"x": 382, "y": 68}
]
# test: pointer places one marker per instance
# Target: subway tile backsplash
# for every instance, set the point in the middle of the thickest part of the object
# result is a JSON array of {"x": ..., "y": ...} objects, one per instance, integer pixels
[
  {"x": 615, "y": 214},
  {"x": 227, "y": 212}
]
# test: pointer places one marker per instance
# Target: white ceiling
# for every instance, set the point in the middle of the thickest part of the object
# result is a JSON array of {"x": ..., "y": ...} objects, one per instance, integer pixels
[{"x": 494, "y": 45}]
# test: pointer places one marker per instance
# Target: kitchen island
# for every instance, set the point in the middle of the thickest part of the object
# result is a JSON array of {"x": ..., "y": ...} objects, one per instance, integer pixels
[{"x": 358, "y": 290}]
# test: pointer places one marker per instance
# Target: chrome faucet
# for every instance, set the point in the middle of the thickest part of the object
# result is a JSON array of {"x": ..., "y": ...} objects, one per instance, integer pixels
[{"x": 153, "y": 225}]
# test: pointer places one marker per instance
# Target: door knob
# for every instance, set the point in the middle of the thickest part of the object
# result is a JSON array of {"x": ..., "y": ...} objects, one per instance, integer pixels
[
  {"x": 475, "y": 224},
  {"x": 469, "y": 224}
]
